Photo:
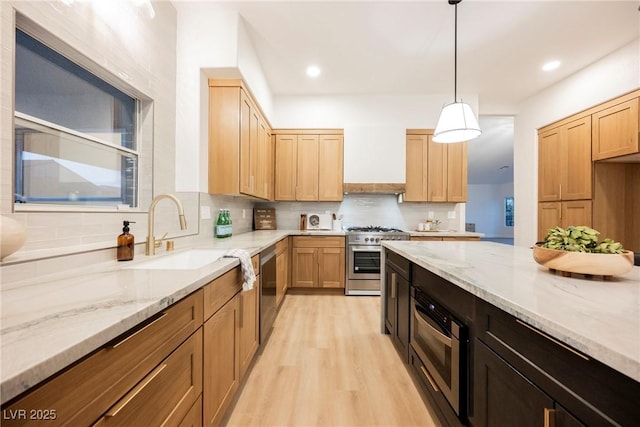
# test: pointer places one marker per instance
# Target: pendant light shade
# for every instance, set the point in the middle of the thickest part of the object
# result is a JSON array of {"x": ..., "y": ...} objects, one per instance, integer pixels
[{"x": 457, "y": 122}]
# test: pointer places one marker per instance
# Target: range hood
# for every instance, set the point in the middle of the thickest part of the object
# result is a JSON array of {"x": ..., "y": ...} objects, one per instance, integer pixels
[{"x": 373, "y": 188}]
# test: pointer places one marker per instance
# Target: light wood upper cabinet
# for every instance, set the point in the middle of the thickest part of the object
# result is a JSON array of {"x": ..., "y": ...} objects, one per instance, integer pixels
[
  {"x": 434, "y": 172},
  {"x": 615, "y": 130},
  {"x": 457, "y": 172},
  {"x": 564, "y": 162},
  {"x": 239, "y": 142},
  {"x": 437, "y": 171},
  {"x": 307, "y": 168},
  {"x": 286, "y": 153},
  {"x": 309, "y": 164},
  {"x": 416, "y": 166},
  {"x": 330, "y": 171}
]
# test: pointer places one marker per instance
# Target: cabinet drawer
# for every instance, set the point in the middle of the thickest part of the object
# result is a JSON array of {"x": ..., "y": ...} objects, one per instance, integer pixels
[
  {"x": 166, "y": 394},
  {"x": 221, "y": 290},
  {"x": 194, "y": 416},
  {"x": 458, "y": 301},
  {"x": 282, "y": 245},
  {"x": 318, "y": 242},
  {"x": 399, "y": 263},
  {"x": 83, "y": 392},
  {"x": 576, "y": 381}
]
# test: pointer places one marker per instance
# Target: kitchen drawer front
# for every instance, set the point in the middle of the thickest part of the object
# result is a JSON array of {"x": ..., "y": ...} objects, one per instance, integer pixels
[
  {"x": 595, "y": 393},
  {"x": 84, "y": 391},
  {"x": 318, "y": 242},
  {"x": 194, "y": 416},
  {"x": 166, "y": 394},
  {"x": 458, "y": 301},
  {"x": 221, "y": 290},
  {"x": 400, "y": 264},
  {"x": 282, "y": 246}
]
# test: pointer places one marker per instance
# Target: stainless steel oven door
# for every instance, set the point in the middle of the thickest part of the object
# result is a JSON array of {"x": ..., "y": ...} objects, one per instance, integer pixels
[
  {"x": 364, "y": 262},
  {"x": 439, "y": 350}
]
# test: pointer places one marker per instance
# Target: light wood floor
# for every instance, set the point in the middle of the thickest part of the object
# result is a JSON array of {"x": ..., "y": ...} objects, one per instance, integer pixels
[{"x": 327, "y": 364}]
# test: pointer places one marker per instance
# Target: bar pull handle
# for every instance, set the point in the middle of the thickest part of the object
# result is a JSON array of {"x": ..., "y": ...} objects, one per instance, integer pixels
[
  {"x": 550, "y": 338},
  {"x": 428, "y": 377},
  {"x": 394, "y": 285},
  {"x": 549, "y": 417},
  {"x": 133, "y": 393},
  {"x": 124, "y": 340}
]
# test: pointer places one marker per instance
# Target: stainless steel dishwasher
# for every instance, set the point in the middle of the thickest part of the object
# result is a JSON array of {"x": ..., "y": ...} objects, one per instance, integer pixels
[{"x": 267, "y": 292}]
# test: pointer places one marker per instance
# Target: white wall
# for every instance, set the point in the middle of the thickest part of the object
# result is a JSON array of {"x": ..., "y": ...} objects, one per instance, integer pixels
[
  {"x": 211, "y": 43},
  {"x": 485, "y": 208},
  {"x": 613, "y": 75}
]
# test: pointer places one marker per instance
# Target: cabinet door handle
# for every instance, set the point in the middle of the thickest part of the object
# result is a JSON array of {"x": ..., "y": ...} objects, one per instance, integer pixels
[
  {"x": 133, "y": 393},
  {"x": 241, "y": 309},
  {"x": 124, "y": 340},
  {"x": 394, "y": 286},
  {"x": 550, "y": 338},
  {"x": 549, "y": 417},
  {"x": 560, "y": 195},
  {"x": 428, "y": 377}
]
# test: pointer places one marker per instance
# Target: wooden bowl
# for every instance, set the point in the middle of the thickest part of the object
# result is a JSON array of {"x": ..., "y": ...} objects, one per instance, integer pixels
[{"x": 584, "y": 263}]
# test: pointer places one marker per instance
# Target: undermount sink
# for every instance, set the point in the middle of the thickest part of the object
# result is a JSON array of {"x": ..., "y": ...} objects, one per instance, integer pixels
[{"x": 187, "y": 260}]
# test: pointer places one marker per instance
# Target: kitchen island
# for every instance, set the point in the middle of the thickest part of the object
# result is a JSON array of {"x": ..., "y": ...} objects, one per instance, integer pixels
[{"x": 597, "y": 319}]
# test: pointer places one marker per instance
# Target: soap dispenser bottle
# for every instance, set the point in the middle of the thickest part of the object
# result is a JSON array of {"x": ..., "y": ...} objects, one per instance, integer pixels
[{"x": 125, "y": 243}]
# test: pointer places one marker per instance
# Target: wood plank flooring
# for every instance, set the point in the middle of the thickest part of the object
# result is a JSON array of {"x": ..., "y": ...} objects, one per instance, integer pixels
[{"x": 327, "y": 364}]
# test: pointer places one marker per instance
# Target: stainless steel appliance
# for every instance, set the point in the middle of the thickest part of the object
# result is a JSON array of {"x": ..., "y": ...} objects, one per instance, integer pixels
[
  {"x": 267, "y": 292},
  {"x": 440, "y": 341},
  {"x": 363, "y": 257}
]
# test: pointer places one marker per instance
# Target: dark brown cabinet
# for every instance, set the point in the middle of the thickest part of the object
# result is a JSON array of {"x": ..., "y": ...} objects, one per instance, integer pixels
[
  {"x": 397, "y": 302},
  {"x": 522, "y": 373},
  {"x": 504, "y": 397}
]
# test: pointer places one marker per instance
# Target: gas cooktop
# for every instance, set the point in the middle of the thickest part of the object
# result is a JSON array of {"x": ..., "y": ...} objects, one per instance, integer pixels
[{"x": 374, "y": 229}]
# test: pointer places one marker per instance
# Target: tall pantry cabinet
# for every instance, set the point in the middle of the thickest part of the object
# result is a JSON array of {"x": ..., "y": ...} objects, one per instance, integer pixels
[
  {"x": 588, "y": 169},
  {"x": 240, "y": 146}
]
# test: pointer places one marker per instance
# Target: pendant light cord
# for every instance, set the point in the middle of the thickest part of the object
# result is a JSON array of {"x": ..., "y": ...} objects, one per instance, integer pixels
[{"x": 455, "y": 55}]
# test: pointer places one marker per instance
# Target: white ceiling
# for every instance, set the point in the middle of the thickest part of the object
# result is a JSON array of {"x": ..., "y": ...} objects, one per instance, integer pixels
[{"x": 406, "y": 47}]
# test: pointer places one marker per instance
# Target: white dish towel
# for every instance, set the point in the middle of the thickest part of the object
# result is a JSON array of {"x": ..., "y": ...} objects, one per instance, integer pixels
[{"x": 248, "y": 274}]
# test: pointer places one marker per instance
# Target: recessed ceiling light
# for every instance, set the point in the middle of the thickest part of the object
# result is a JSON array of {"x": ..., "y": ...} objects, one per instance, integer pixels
[
  {"x": 551, "y": 65},
  {"x": 313, "y": 71}
]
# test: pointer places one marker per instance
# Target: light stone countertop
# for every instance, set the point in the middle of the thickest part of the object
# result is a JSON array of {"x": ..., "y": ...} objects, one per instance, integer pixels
[
  {"x": 52, "y": 321},
  {"x": 601, "y": 318},
  {"x": 445, "y": 233}
]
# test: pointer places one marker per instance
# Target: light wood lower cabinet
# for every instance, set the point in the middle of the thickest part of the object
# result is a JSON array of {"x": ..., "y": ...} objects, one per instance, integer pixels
[
  {"x": 318, "y": 262},
  {"x": 110, "y": 382},
  {"x": 282, "y": 269},
  {"x": 563, "y": 214},
  {"x": 231, "y": 339},
  {"x": 166, "y": 394},
  {"x": 221, "y": 360}
]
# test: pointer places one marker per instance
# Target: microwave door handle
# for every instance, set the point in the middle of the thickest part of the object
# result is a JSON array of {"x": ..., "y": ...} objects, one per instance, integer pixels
[{"x": 427, "y": 322}]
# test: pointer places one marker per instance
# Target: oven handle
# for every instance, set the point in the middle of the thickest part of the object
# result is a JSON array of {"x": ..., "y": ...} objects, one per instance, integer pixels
[
  {"x": 365, "y": 249},
  {"x": 426, "y": 321}
]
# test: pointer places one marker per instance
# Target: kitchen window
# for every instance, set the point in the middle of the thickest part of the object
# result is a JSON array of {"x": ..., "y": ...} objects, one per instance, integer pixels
[{"x": 75, "y": 134}]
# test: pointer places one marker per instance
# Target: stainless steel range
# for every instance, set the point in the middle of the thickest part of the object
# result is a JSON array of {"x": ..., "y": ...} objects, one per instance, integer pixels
[{"x": 363, "y": 257}]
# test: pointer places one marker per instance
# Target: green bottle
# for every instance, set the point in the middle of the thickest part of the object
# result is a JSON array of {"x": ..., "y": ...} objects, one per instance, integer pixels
[{"x": 219, "y": 229}]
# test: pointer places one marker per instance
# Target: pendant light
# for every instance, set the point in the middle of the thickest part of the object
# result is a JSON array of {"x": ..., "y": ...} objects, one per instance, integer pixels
[{"x": 457, "y": 122}]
